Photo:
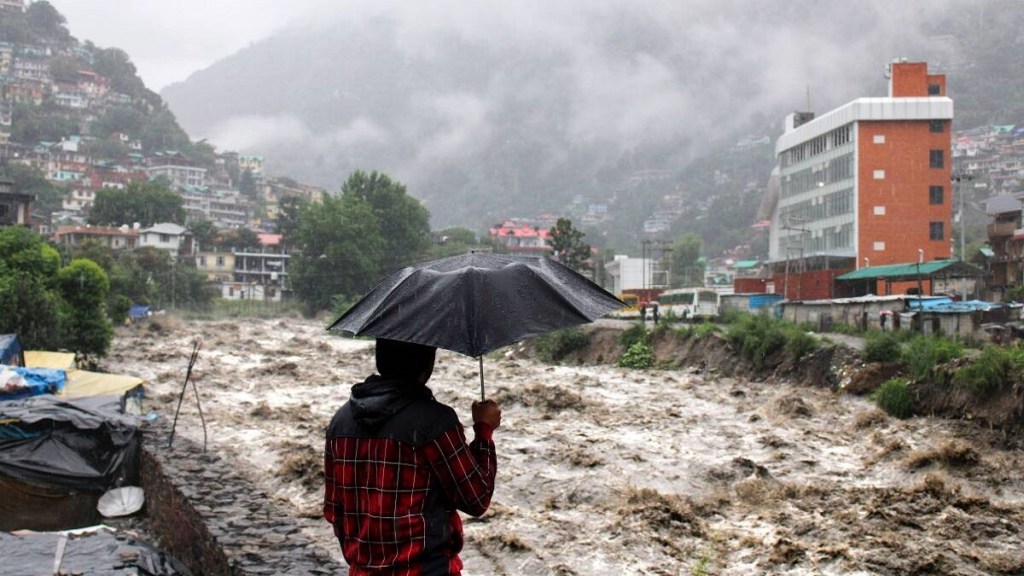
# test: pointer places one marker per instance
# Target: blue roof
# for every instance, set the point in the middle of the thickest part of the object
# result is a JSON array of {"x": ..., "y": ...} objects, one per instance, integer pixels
[{"x": 948, "y": 305}]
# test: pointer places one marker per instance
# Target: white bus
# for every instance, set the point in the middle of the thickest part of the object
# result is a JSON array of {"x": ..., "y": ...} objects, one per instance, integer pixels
[{"x": 689, "y": 303}]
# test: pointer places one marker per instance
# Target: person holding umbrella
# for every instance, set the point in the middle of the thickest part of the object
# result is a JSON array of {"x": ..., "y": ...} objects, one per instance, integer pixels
[{"x": 398, "y": 469}]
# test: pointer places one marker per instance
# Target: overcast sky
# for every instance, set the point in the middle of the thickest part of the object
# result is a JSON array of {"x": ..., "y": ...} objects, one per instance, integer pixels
[{"x": 168, "y": 40}]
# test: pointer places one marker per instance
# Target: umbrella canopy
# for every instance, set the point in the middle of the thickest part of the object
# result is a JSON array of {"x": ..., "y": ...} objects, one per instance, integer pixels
[{"x": 478, "y": 302}]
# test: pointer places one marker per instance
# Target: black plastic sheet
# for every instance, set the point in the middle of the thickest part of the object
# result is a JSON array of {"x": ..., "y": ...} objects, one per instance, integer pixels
[
  {"x": 100, "y": 551},
  {"x": 77, "y": 444}
]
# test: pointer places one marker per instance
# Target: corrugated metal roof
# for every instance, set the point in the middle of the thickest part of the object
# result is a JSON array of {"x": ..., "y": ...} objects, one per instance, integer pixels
[
  {"x": 1001, "y": 205},
  {"x": 899, "y": 270}
]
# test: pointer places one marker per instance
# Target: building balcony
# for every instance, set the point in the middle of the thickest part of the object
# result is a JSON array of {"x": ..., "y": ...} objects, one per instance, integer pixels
[{"x": 997, "y": 229}]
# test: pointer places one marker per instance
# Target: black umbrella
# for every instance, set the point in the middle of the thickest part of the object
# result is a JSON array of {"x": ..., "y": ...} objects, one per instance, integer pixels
[{"x": 478, "y": 302}]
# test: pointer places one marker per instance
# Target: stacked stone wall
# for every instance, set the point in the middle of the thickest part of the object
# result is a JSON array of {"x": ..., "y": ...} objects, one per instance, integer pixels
[{"x": 211, "y": 518}]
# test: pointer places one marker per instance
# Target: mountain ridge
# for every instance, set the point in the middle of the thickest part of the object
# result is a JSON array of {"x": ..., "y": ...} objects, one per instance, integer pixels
[{"x": 481, "y": 130}]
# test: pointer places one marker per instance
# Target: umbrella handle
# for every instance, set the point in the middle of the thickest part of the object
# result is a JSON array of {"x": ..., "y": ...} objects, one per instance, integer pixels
[{"x": 482, "y": 395}]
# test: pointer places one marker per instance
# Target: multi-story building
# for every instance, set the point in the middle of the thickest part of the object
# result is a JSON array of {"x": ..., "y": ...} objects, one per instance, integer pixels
[
  {"x": 180, "y": 176},
  {"x": 260, "y": 273},
  {"x": 1006, "y": 237},
  {"x": 225, "y": 208},
  {"x": 219, "y": 266},
  {"x": 865, "y": 184}
]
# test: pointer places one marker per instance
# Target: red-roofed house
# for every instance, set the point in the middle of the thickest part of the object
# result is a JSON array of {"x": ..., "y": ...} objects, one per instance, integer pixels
[{"x": 521, "y": 237}]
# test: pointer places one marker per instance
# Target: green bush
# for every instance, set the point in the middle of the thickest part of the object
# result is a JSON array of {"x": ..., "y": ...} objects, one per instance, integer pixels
[
  {"x": 922, "y": 354},
  {"x": 635, "y": 333},
  {"x": 895, "y": 398},
  {"x": 704, "y": 330},
  {"x": 881, "y": 347},
  {"x": 118, "y": 308},
  {"x": 554, "y": 346},
  {"x": 844, "y": 328},
  {"x": 990, "y": 372},
  {"x": 799, "y": 341},
  {"x": 638, "y": 356},
  {"x": 757, "y": 338},
  {"x": 1014, "y": 294}
]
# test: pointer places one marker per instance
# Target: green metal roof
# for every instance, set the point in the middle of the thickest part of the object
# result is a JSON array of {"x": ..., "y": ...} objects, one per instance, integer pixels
[
  {"x": 894, "y": 271},
  {"x": 743, "y": 264},
  {"x": 986, "y": 251}
]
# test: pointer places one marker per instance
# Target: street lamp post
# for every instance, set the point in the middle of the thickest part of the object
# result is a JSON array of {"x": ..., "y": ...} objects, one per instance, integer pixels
[
  {"x": 802, "y": 231},
  {"x": 643, "y": 267}
]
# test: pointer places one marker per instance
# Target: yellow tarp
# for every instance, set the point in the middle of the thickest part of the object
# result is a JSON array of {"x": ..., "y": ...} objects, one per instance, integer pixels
[
  {"x": 84, "y": 383},
  {"x": 55, "y": 360},
  {"x": 81, "y": 382}
]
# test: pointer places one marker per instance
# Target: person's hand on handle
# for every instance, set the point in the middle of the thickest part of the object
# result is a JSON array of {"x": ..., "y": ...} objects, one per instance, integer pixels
[{"x": 487, "y": 412}]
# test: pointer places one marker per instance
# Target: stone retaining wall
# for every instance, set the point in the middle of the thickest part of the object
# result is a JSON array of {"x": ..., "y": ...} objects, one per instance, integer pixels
[{"x": 213, "y": 519}]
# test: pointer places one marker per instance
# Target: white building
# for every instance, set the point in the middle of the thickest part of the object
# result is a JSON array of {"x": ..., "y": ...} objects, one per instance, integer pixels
[
  {"x": 626, "y": 273},
  {"x": 179, "y": 176},
  {"x": 167, "y": 236}
]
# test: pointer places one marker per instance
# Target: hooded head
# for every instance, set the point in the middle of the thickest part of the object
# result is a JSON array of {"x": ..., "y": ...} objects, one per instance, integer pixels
[{"x": 405, "y": 360}]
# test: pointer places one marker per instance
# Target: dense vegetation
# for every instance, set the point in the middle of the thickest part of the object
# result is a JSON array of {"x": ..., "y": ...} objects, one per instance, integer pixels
[
  {"x": 341, "y": 247},
  {"x": 50, "y": 306}
]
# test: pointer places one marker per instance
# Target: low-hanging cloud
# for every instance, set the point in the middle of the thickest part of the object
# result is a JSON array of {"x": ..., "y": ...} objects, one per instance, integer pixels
[{"x": 539, "y": 81}]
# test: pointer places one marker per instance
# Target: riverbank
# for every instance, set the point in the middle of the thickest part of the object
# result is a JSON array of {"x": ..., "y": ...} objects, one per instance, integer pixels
[{"x": 699, "y": 466}]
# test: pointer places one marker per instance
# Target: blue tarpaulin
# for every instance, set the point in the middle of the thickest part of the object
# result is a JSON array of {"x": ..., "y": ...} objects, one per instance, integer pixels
[
  {"x": 138, "y": 311},
  {"x": 19, "y": 382}
]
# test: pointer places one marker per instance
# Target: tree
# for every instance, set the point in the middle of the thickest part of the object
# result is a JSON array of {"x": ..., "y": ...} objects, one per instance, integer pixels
[
  {"x": 567, "y": 246},
  {"x": 46, "y": 21},
  {"x": 452, "y": 241},
  {"x": 83, "y": 287},
  {"x": 243, "y": 238},
  {"x": 147, "y": 203},
  {"x": 337, "y": 251},
  {"x": 205, "y": 234},
  {"x": 289, "y": 210},
  {"x": 402, "y": 222},
  {"x": 30, "y": 180},
  {"x": 29, "y": 304},
  {"x": 687, "y": 269}
]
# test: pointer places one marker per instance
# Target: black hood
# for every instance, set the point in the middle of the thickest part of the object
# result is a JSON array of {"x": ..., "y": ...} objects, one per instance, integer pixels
[{"x": 376, "y": 400}]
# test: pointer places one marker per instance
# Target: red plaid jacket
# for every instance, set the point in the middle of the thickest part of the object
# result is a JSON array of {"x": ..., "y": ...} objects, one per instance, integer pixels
[{"x": 397, "y": 469}]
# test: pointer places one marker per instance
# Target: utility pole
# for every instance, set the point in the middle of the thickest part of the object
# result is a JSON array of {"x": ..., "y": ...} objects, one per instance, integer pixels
[{"x": 957, "y": 177}]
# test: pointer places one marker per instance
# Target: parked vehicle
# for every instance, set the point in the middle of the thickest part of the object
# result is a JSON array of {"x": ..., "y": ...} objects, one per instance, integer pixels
[{"x": 689, "y": 303}]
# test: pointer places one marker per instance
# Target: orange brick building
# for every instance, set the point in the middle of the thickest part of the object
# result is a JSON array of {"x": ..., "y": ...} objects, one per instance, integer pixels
[{"x": 866, "y": 184}]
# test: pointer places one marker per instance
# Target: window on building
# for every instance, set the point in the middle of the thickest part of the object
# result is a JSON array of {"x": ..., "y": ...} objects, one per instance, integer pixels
[
  {"x": 937, "y": 126},
  {"x": 936, "y": 230},
  {"x": 220, "y": 261},
  {"x": 934, "y": 89},
  {"x": 202, "y": 261},
  {"x": 936, "y": 194},
  {"x": 937, "y": 159}
]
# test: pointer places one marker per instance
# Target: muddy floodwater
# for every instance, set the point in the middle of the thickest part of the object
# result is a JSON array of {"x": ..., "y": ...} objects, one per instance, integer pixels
[{"x": 604, "y": 470}]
